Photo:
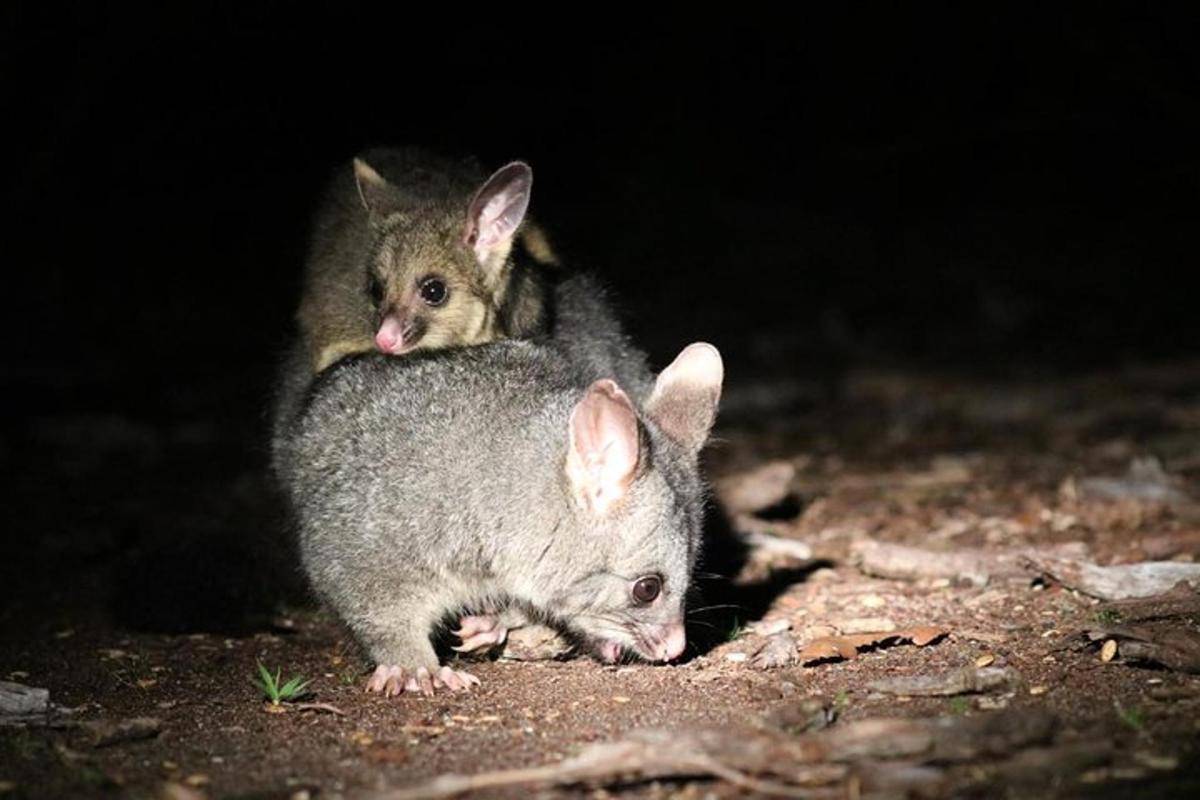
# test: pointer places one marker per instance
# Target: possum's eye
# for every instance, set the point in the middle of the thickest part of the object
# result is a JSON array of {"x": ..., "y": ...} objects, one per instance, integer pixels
[
  {"x": 375, "y": 290},
  {"x": 646, "y": 589},
  {"x": 434, "y": 291}
]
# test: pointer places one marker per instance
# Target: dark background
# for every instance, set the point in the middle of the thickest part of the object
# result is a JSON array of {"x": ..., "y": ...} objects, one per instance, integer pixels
[{"x": 999, "y": 191}]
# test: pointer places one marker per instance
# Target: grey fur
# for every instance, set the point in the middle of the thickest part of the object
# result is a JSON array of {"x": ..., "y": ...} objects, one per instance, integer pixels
[{"x": 435, "y": 483}]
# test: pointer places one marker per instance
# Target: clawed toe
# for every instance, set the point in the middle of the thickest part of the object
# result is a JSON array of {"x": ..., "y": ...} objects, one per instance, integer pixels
[
  {"x": 388, "y": 680},
  {"x": 391, "y": 680},
  {"x": 455, "y": 680}
]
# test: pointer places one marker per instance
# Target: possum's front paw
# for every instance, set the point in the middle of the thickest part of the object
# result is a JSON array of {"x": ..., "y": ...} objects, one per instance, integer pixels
[
  {"x": 392, "y": 679},
  {"x": 481, "y": 630}
]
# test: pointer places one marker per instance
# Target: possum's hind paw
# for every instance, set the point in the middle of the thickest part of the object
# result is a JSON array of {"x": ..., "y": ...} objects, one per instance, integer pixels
[
  {"x": 479, "y": 631},
  {"x": 391, "y": 680}
]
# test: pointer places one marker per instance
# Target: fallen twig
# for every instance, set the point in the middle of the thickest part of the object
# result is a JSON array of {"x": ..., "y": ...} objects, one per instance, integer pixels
[
  {"x": 967, "y": 680},
  {"x": 326, "y": 707}
]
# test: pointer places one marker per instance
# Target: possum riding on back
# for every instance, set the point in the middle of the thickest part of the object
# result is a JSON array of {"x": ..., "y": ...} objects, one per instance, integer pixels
[{"x": 412, "y": 250}]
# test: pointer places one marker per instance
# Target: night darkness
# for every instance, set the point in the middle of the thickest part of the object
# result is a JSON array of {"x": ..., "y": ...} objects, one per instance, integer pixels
[
  {"x": 973, "y": 189},
  {"x": 993, "y": 196}
]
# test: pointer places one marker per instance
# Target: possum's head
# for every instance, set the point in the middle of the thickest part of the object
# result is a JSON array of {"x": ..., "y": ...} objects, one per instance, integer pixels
[
  {"x": 637, "y": 495},
  {"x": 438, "y": 270}
]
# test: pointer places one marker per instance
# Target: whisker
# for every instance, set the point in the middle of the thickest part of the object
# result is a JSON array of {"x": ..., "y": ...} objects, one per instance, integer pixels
[{"x": 715, "y": 607}]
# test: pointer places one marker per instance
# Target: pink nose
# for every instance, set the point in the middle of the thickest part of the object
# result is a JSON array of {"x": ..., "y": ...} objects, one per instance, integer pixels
[
  {"x": 673, "y": 642},
  {"x": 390, "y": 336}
]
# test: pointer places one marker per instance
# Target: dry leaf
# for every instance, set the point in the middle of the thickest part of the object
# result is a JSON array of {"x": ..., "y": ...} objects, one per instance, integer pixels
[{"x": 847, "y": 647}]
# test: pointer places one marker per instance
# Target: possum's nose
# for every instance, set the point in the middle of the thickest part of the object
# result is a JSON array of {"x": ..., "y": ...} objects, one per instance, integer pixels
[
  {"x": 673, "y": 641},
  {"x": 397, "y": 334}
]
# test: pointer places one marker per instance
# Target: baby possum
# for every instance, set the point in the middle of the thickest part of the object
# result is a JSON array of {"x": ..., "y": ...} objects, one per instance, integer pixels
[
  {"x": 412, "y": 250},
  {"x": 500, "y": 477}
]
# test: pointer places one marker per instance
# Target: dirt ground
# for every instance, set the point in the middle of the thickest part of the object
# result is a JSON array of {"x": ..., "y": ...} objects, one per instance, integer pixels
[{"x": 144, "y": 577}]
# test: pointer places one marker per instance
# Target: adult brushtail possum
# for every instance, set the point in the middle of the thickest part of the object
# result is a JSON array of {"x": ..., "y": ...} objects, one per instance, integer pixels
[{"x": 497, "y": 477}]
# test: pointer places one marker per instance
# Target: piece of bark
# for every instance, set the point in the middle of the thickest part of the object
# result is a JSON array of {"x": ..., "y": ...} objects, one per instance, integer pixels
[
  {"x": 975, "y": 566},
  {"x": 1120, "y": 582},
  {"x": 945, "y": 739},
  {"x": 1032, "y": 770},
  {"x": 968, "y": 680},
  {"x": 19, "y": 701},
  {"x": 794, "y": 765},
  {"x": 1181, "y": 601},
  {"x": 106, "y": 733},
  {"x": 655, "y": 754},
  {"x": 1175, "y": 647}
]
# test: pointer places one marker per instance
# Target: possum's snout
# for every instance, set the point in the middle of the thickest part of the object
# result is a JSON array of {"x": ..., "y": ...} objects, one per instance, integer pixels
[
  {"x": 399, "y": 332},
  {"x": 667, "y": 641}
]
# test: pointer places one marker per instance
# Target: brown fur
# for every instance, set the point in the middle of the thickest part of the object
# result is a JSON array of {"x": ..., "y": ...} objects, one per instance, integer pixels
[{"x": 414, "y": 230}]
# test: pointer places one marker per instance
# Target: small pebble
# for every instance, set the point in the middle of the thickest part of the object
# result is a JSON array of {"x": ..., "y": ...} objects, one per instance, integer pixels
[
  {"x": 1038, "y": 690},
  {"x": 1109, "y": 651},
  {"x": 985, "y": 660},
  {"x": 735, "y": 658},
  {"x": 197, "y": 779}
]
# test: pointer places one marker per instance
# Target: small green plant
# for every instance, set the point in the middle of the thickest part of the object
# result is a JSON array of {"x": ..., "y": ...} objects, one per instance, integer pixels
[
  {"x": 1107, "y": 616},
  {"x": 735, "y": 630},
  {"x": 959, "y": 706},
  {"x": 1132, "y": 717},
  {"x": 269, "y": 685},
  {"x": 841, "y": 699}
]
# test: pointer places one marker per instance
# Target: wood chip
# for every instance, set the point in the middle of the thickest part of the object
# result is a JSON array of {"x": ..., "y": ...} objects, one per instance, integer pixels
[
  {"x": 985, "y": 660},
  {"x": 1109, "y": 651}
]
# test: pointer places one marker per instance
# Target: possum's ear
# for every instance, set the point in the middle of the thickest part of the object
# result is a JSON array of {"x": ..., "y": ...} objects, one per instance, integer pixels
[
  {"x": 602, "y": 450},
  {"x": 495, "y": 213},
  {"x": 684, "y": 401},
  {"x": 377, "y": 195}
]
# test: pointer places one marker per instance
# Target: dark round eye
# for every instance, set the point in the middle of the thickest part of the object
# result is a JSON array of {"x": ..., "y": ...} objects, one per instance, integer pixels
[
  {"x": 647, "y": 588},
  {"x": 434, "y": 291},
  {"x": 375, "y": 290}
]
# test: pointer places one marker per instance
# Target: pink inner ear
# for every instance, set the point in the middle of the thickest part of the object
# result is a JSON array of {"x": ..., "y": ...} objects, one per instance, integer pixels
[
  {"x": 603, "y": 445},
  {"x": 498, "y": 208},
  {"x": 499, "y": 219}
]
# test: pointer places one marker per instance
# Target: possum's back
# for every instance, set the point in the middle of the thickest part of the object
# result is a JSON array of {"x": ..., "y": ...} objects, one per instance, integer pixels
[{"x": 455, "y": 439}]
